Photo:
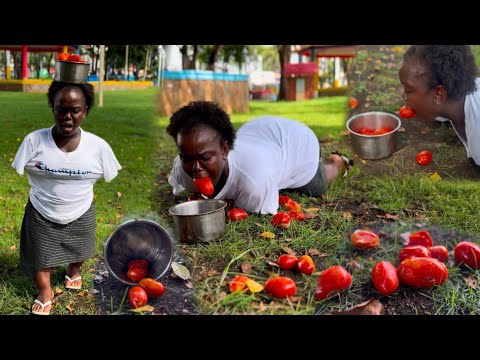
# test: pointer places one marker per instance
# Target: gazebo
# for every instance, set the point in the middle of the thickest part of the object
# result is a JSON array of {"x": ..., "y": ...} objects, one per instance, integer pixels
[{"x": 25, "y": 49}]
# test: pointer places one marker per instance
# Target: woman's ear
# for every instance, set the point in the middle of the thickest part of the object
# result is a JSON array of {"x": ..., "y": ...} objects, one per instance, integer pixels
[
  {"x": 440, "y": 95},
  {"x": 226, "y": 150}
]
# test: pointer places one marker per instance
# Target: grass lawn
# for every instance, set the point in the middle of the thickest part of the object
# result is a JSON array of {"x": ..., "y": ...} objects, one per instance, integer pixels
[{"x": 146, "y": 152}]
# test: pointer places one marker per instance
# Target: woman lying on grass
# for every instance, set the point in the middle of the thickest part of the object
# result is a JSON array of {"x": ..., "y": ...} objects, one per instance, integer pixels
[{"x": 251, "y": 166}]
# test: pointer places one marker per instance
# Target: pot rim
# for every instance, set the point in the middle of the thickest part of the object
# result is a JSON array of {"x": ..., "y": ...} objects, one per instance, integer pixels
[{"x": 222, "y": 202}]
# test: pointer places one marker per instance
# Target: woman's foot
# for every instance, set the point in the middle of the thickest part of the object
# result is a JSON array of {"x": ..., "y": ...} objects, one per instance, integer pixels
[
  {"x": 73, "y": 279},
  {"x": 43, "y": 303},
  {"x": 337, "y": 166}
]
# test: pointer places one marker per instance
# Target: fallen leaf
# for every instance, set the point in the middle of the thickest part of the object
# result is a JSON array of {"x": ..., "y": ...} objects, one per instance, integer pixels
[
  {"x": 311, "y": 213},
  {"x": 70, "y": 308},
  {"x": 363, "y": 161},
  {"x": 90, "y": 296},
  {"x": 401, "y": 129},
  {"x": 222, "y": 295},
  {"x": 313, "y": 252},
  {"x": 146, "y": 308},
  {"x": 189, "y": 284},
  {"x": 347, "y": 215},
  {"x": 118, "y": 216},
  {"x": 344, "y": 133},
  {"x": 289, "y": 251},
  {"x": 370, "y": 307},
  {"x": 253, "y": 286},
  {"x": 13, "y": 248},
  {"x": 258, "y": 224},
  {"x": 246, "y": 267},
  {"x": 181, "y": 271},
  {"x": 58, "y": 290},
  {"x": 471, "y": 282},
  {"x": 119, "y": 194},
  {"x": 435, "y": 177},
  {"x": 268, "y": 234},
  {"x": 272, "y": 263},
  {"x": 81, "y": 293},
  {"x": 392, "y": 217},
  {"x": 295, "y": 299},
  {"x": 262, "y": 306},
  {"x": 354, "y": 265}
]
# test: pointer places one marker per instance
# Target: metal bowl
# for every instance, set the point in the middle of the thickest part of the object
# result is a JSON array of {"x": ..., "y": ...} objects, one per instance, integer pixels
[
  {"x": 138, "y": 239},
  {"x": 71, "y": 72},
  {"x": 374, "y": 146},
  {"x": 199, "y": 220}
]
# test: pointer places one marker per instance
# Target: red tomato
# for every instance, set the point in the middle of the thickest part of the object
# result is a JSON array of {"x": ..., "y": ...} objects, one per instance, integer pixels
[
  {"x": 422, "y": 272},
  {"x": 439, "y": 252},
  {"x": 287, "y": 261},
  {"x": 382, "y": 131},
  {"x": 281, "y": 220},
  {"x": 238, "y": 283},
  {"x": 352, "y": 103},
  {"x": 283, "y": 199},
  {"x": 467, "y": 253},
  {"x": 280, "y": 287},
  {"x": 73, "y": 58},
  {"x": 366, "y": 131},
  {"x": 237, "y": 214},
  {"x": 414, "y": 250},
  {"x": 423, "y": 158},
  {"x": 306, "y": 265},
  {"x": 331, "y": 281},
  {"x": 140, "y": 263},
  {"x": 62, "y": 57},
  {"x": 406, "y": 112},
  {"x": 296, "y": 215},
  {"x": 136, "y": 273},
  {"x": 384, "y": 277},
  {"x": 293, "y": 206},
  {"x": 422, "y": 238},
  {"x": 152, "y": 287},
  {"x": 137, "y": 297},
  {"x": 204, "y": 185},
  {"x": 364, "y": 239}
]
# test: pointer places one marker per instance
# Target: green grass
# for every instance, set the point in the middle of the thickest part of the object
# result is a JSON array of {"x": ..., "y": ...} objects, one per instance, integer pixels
[{"x": 145, "y": 151}]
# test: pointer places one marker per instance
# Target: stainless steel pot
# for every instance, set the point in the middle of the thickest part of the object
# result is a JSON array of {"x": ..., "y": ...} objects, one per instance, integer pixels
[
  {"x": 71, "y": 72},
  {"x": 138, "y": 239},
  {"x": 374, "y": 146},
  {"x": 199, "y": 220}
]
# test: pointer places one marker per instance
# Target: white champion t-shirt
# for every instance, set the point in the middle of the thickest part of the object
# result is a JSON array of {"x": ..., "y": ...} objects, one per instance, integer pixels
[
  {"x": 61, "y": 183},
  {"x": 270, "y": 154},
  {"x": 472, "y": 124}
]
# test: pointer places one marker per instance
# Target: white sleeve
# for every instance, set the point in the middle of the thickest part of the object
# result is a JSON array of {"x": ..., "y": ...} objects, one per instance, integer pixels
[
  {"x": 262, "y": 199},
  {"x": 24, "y": 154},
  {"x": 109, "y": 162}
]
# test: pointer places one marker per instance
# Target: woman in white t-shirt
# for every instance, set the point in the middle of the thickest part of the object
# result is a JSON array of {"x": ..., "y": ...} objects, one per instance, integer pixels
[
  {"x": 440, "y": 83},
  {"x": 251, "y": 166},
  {"x": 62, "y": 163}
]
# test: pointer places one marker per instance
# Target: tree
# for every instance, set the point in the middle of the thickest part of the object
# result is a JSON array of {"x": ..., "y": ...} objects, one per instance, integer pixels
[
  {"x": 189, "y": 61},
  {"x": 284, "y": 52}
]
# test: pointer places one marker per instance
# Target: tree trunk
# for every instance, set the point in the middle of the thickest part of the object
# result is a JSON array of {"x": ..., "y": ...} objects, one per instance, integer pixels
[
  {"x": 187, "y": 63},
  {"x": 146, "y": 64},
  {"x": 212, "y": 59},
  {"x": 284, "y": 52}
]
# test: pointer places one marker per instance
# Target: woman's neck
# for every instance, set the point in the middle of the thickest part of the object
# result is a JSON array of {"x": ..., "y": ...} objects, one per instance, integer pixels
[{"x": 455, "y": 112}]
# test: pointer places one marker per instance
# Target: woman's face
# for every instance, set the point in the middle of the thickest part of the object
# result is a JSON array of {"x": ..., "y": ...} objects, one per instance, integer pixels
[
  {"x": 202, "y": 152},
  {"x": 417, "y": 95},
  {"x": 69, "y": 110}
]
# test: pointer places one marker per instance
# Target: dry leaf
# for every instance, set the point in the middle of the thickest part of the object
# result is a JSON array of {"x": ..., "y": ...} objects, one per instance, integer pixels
[
  {"x": 70, "y": 308},
  {"x": 310, "y": 213},
  {"x": 58, "y": 290},
  {"x": 146, "y": 308},
  {"x": 405, "y": 237},
  {"x": 401, "y": 129},
  {"x": 392, "y": 217},
  {"x": 363, "y": 161},
  {"x": 354, "y": 265},
  {"x": 13, "y": 248},
  {"x": 253, "y": 286},
  {"x": 222, "y": 295},
  {"x": 181, "y": 271},
  {"x": 262, "y": 307},
  {"x": 189, "y": 284},
  {"x": 118, "y": 216},
  {"x": 347, "y": 214},
  {"x": 81, "y": 293},
  {"x": 246, "y": 267},
  {"x": 471, "y": 282},
  {"x": 370, "y": 307},
  {"x": 90, "y": 296},
  {"x": 119, "y": 194},
  {"x": 435, "y": 177},
  {"x": 344, "y": 133},
  {"x": 289, "y": 251},
  {"x": 268, "y": 234},
  {"x": 272, "y": 263},
  {"x": 313, "y": 252},
  {"x": 258, "y": 224}
]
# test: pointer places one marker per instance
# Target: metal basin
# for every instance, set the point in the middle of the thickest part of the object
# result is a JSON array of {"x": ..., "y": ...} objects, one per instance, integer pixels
[
  {"x": 71, "y": 72},
  {"x": 199, "y": 220},
  {"x": 374, "y": 146},
  {"x": 138, "y": 239}
]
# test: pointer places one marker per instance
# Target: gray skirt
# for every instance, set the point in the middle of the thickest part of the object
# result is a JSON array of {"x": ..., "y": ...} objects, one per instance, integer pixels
[{"x": 45, "y": 244}]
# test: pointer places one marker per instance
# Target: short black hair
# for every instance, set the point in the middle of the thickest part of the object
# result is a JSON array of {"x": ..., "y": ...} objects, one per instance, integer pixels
[
  {"x": 202, "y": 113},
  {"x": 452, "y": 66},
  {"x": 87, "y": 90}
]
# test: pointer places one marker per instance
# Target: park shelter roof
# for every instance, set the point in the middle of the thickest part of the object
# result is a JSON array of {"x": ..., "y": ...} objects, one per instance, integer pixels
[
  {"x": 38, "y": 48},
  {"x": 328, "y": 51}
]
